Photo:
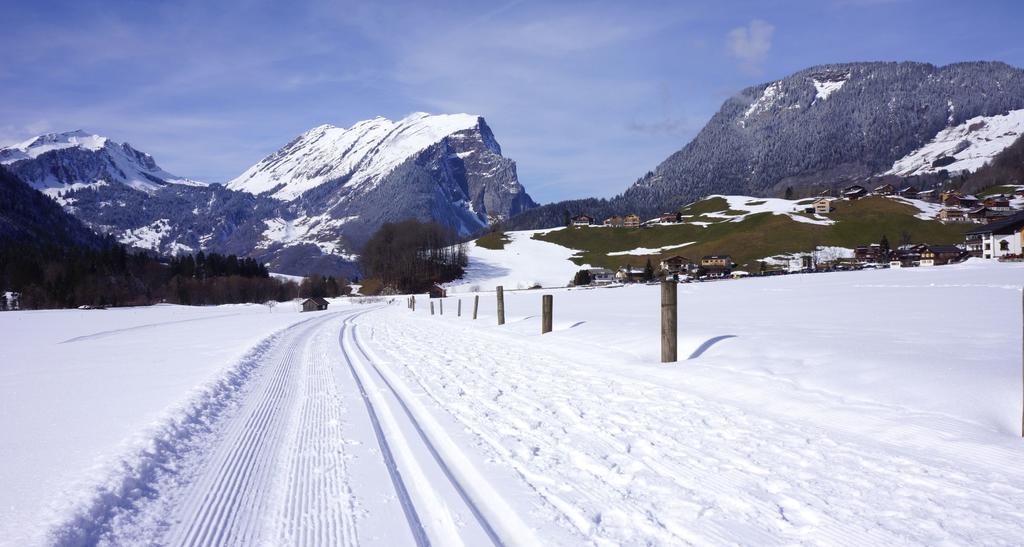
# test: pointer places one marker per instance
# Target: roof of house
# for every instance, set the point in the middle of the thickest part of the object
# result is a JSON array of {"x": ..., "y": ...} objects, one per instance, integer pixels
[
  {"x": 1006, "y": 225},
  {"x": 676, "y": 257},
  {"x": 716, "y": 257},
  {"x": 604, "y": 271},
  {"x": 317, "y": 300},
  {"x": 944, "y": 249}
]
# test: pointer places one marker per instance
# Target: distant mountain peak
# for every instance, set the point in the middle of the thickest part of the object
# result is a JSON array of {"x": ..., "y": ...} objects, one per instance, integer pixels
[
  {"x": 362, "y": 153},
  {"x": 55, "y": 162}
]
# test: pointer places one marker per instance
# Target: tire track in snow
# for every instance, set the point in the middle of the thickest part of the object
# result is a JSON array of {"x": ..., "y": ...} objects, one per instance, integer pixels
[
  {"x": 106, "y": 333},
  {"x": 495, "y": 517}
]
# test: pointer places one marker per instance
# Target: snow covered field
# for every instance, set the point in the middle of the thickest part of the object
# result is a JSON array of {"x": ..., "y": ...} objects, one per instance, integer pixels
[{"x": 874, "y": 407}]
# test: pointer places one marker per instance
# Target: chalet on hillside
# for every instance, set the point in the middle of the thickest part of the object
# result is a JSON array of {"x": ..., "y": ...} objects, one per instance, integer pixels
[
  {"x": 998, "y": 203},
  {"x": 909, "y": 192},
  {"x": 854, "y": 192},
  {"x": 631, "y": 221},
  {"x": 822, "y": 206},
  {"x": 997, "y": 239},
  {"x": 928, "y": 195},
  {"x": 670, "y": 217},
  {"x": 678, "y": 265},
  {"x": 582, "y": 220},
  {"x": 869, "y": 254},
  {"x": 717, "y": 265},
  {"x": 437, "y": 291},
  {"x": 314, "y": 304},
  {"x": 629, "y": 274},
  {"x": 968, "y": 201},
  {"x": 937, "y": 255},
  {"x": 950, "y": 215},
  {"x": 885, "y": 190},
  {"x": 601, "y": 276},
  {"x": 614, "y": 221},
  {"x": 950, "y": 198}
]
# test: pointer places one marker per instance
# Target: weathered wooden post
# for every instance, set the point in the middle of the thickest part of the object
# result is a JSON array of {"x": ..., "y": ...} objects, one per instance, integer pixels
[
  {"x": 547, "y": 302},
  {"x": 1022, "y": 354},
  {"x": 669, "y": 317},
  {"x": 441, "y": 305},
  {"x": 476, "y": 305},
  {"x": 431, "y": 308},
  {"x": 501, "y": 305},
  {"x": 458, "y": 312},
  {"x": 413, "y": 303}
]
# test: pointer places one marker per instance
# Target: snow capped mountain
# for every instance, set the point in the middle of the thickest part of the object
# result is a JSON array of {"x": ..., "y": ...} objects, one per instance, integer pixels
[
  {"x": 307, "y": 208},
  {"x": 963, "y": 147},
  {"x": 362, "y": 153},
  {"x": 56, "y": 162},
  {"x": 337, "y": 185}
]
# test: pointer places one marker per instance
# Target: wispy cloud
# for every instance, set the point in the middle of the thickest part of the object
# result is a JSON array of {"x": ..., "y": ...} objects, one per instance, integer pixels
[{"x": 750, "y": 44}]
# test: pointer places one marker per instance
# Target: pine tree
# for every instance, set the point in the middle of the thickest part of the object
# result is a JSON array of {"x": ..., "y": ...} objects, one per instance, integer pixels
[
  {"x": 884, "y": 249},
  {"x": 649, "y": 271}
]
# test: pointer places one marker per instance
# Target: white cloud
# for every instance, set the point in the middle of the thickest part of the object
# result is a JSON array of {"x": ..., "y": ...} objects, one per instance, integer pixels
[{"x": 750, "y": 44}]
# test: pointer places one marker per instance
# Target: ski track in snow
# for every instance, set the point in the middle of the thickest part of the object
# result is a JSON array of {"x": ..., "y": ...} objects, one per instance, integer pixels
[
  {"x": 637, "y": 463},
  {"x": 299, "y": 456}
]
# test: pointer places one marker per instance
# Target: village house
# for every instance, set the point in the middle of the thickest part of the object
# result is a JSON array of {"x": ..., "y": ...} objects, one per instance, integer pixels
[
  {"x": 997, "y": 203},
  {"x": 678, "y": 265},
  {"x": 949, "y": 215},
  {"x": 885, "y": 190},
  {"x": 629, "y": 274},
  {"x": 670, "y": 217},
  {"x": 950, "y": 198},
  {"x": 996, "y": 239},
  {"x": 909, "y": 192},
  {"x": 614, "y": 221},
  {"x": 822, "y": 206},
  {"x": 314, "y": 304},
  {"x": 717, "y": 265},
  {"x": 582, "y": 220},
  {"x": 869, "y": 254},
  {"x": 930, "y": 196},
  {"x": 437, "y": 291},
  {"x": 631, "y": 221},
  {"x": 854, "y": 192},
  {"x": 937, "y": 255},
  {"x": 601, "y": 276},
  {"x": 968, "y": 201}
]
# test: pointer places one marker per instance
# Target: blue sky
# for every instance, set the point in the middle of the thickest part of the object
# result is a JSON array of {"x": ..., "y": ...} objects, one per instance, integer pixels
[{"x": 585, "y": 96}]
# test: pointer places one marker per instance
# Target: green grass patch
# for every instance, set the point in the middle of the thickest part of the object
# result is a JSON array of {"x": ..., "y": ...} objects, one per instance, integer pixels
[
  {"x": 760, "y": 235},
  {"x": 995, "y": 190},
  {"x": 494, "y": 241},
  {"x": 712, "y": 205}
]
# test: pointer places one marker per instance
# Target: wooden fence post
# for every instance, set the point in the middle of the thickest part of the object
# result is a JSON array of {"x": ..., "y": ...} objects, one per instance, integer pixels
[
  {"x": 1022, "y": 354},
  {"x": 669, "y": 317},
  {"x": 476, "y": 305},
  {"x": 414, "y": 303},
  {"x": 431, "y": 307},
  {"x": 547, "y": 302},
  {"x": 458, "y": 313},
  {"x": 441, "y": 304},
  {"x": 501, "y": 305}
]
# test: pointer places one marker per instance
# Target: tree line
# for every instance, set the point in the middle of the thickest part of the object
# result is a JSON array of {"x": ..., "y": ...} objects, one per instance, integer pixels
[
  {"x": 410, "y": 256},
  {"x": 68, "y": 277}
]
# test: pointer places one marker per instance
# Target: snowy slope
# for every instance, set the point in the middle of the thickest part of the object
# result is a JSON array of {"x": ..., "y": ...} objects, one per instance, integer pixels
[
  {"x": 968, "y": 146},
  {"x": 363, "y": 153},
  {"x": 523, "y": 263},
  {"x": 59, "y": 161}
]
